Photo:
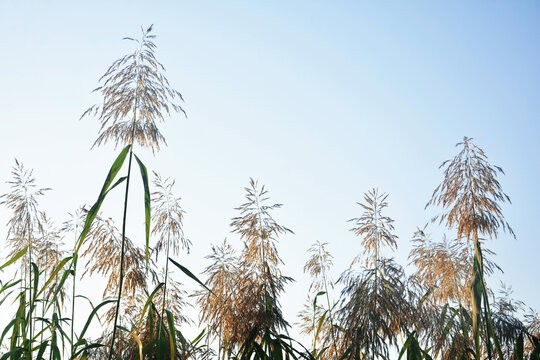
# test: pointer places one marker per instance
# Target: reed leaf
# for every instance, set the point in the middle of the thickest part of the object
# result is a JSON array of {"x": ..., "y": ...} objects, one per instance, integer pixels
[
  {"x": 13, "y": 259},
  {"x": 191, "y": 275},
  {"x": 147, "y": 216},
  {"x": 92, "y": 213},
  {"x": 172, "y": 334}
]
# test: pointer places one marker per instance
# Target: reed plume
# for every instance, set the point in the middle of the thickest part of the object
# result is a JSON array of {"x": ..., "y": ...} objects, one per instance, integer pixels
[{"x": 136, "y": 95}]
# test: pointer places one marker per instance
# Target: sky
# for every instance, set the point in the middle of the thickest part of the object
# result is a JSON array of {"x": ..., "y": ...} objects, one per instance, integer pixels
[{"x": 320, "y": 101}]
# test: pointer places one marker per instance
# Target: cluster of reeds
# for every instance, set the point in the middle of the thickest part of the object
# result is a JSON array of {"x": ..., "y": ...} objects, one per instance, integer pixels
[{"x": 444, "y": 310}]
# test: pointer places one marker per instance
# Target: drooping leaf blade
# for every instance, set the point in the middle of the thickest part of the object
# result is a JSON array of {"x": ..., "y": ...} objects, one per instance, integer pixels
[
  {"x": 147, "y": 210},
  {"x": 15, "y": 258},
  {"x": 92, "y": 213},
  {"x": 191, "y": 275},
  {"x": 172, "y": 333}
]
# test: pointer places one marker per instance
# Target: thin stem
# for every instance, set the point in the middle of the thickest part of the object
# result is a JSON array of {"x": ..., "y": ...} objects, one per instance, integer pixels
[
  {"x": 121, "y": 279},
  {"x": 30, "y": 289},
  {"x": 265, "y": 264},
  {"x": 43, "y": 302},
  {"x": 376, "y": 270},
  {"x": 73, "y": 301},
  {"x": 75, "y": 257},
  {"x": 328, "y": 301},
  {"x": 477, "y": 269},
  {"x": 165, "y": 287}
]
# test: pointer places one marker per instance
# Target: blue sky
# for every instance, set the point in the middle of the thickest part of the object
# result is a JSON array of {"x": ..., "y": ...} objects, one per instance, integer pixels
[{"x": 320, "y": 101}]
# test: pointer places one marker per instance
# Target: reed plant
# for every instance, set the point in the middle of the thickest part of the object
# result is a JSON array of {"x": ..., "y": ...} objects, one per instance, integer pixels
[
  {"x": 373, "y": 295},
  {"x": 136, "y": 95},
  {"x": 470, "y": 196},
  {"x": 315, "y": 319}
]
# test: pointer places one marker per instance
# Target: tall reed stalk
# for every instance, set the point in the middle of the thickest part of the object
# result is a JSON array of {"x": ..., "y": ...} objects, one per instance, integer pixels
[
  {"x": 470, "y": 196},
  {"x": 22, "y": 200},
  {"x": 167, "y": 217},
  {"x": 136, "y": 94}
]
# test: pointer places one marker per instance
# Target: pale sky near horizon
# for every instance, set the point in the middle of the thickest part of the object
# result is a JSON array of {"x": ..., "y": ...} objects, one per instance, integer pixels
[{"x": 319, "y": 100}]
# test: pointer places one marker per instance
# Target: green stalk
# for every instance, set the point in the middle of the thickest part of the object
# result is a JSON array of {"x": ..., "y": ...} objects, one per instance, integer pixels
[
  {"x": 121, "y": 280},
  {"x": 166, "y": 263},
  {"x": 476, "y": 295},
  {"x": 43, "y": 302},
  {"x": 30, "y": 289},
  {"x": 265, "y": 264},
  {"x": 376, "y": 271},
  {"x": 328, "y": 301},
  {"x": 164, "y": 290},
  {"x": 75, "y": 256},
  {"x": 73, "y": 297}
]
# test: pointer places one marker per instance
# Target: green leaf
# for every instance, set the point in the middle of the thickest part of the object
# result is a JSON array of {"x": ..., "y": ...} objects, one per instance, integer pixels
[
  {"x": 319, "y": 326},
  {"x": 14, "y": 354},
  {"x": 121, "y": 180},
  {"x": 59, "y": 287},
  {"x": 518, "y": 347},
  {"x": 535, "y": 355},
  {"x": 406, "y": 345},
  {"x": 86, "y": 348},
  {"x": 172, "y": 333},
  {"x": 15, "y": 258},
  {"x": 43, "y": 346},
  {"x": 89, "y": 320},
  {"x": 316, "y": 297},
  {"x": 36, "y": 283},
  {"x": 144, "y": 175},
  {"x": 190, "y": 274},
  {"x": 476, "y": 298},
  {"x": 92, "y": 213},
  {"x": 147, "y": 304},
  {"x": 54, "y": 273},
  {"x": 198, "y": 338}
]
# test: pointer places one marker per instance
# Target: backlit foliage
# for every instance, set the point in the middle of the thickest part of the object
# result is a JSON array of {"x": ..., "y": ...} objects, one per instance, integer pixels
[
  {"x": 374, "y": 228},
  {"x": 317, "y": 266},
  {"x": 26, "y": 220},
  {"x": 103, "y": 253},
  {"x": 167, "y": 217},
  {"x": 445, "y": 267},
  {"x": 317, "y": 315},
  {"x": 219, "y": 312}
]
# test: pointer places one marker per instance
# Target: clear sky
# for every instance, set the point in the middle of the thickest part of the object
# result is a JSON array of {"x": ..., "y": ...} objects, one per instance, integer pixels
[{"x": 319, "y": 100}]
